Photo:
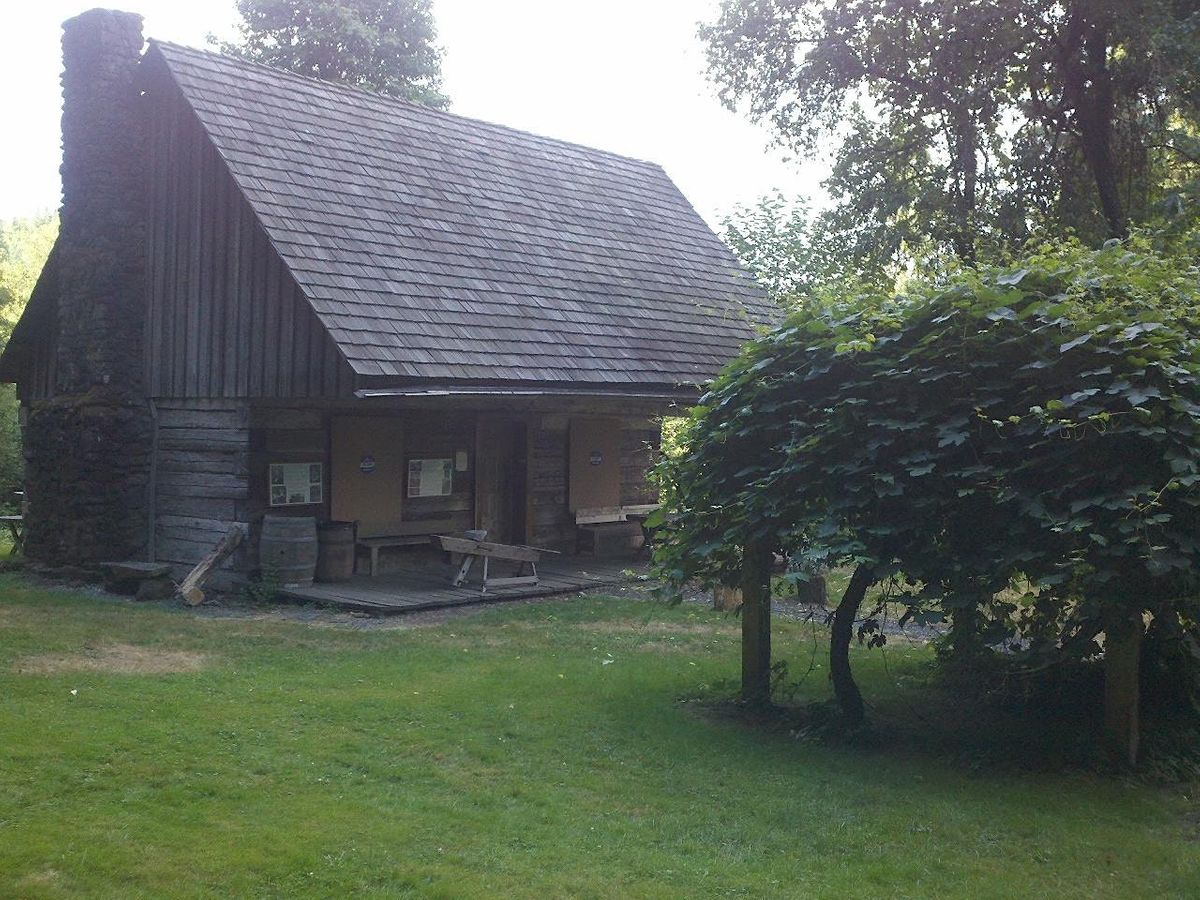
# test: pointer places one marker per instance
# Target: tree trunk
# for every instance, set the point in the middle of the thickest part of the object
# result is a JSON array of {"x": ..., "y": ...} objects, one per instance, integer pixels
[
  {"x": 1088, "y": 88},
  {"x": 756, "y": 625},
  {"x": 1122, "y": 651},
  {"x": 1096, "y": 126},
  {"x": 967, "y": 165},
  {"x": 966, "y": 643},
  {"x": 847, "y": 693}
]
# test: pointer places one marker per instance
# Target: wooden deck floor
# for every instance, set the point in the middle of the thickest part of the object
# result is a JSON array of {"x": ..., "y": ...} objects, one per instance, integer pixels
[{"x": 427, "y": 586}]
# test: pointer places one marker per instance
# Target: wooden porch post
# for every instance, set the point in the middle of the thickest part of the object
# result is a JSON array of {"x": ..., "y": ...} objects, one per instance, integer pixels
[{"x": 756, "y": 624}]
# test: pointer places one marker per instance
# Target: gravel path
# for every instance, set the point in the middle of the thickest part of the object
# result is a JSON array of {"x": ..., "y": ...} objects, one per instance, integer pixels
[{"x": 230, "y": 607}]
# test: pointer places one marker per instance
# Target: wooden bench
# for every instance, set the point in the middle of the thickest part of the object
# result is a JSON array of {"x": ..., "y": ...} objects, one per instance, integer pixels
[
  {"x": 472, "y": 549},
  {"x": 611, "y": 529},
  {"x": 406, "y": 534},
  {"x": 600, "y": 515}
]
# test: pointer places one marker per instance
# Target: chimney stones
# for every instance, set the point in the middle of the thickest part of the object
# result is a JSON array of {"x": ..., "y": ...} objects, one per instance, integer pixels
[{"x": 88, "y": 446}]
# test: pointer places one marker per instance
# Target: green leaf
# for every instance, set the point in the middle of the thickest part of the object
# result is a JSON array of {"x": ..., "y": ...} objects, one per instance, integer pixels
[
  {"x": 1012, "y": 278},
  {"x": 1075, "y": 342}
]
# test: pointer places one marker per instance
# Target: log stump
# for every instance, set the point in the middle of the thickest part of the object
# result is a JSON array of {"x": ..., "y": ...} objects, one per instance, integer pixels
[
  {"x": 130, "y": 577},
  {"x": 727, "y": 599}
]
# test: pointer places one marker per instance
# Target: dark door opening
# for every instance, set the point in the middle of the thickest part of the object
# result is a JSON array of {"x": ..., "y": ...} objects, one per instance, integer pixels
[{"x": 501, "y": 455}]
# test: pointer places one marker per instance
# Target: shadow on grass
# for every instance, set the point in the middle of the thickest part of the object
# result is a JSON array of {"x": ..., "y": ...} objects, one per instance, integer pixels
[{"x": 963, "y": 734}]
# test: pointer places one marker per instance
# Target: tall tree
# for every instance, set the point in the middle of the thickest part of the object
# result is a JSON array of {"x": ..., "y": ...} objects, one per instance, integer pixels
[
  {"x": 914, "y": 88},
  {"x": 795, "y": 253},
  {"x": 25, "y": 244},
  {"x": 389, "y": 46},
  {"x": 1116, "y": 79},
  {"x": 967, "y": 124}
]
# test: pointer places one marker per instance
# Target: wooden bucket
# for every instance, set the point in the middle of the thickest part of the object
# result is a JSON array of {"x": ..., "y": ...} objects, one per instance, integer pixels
[
  {"x": 287, "y": 549},
  {"x": 335, "y": 551}
]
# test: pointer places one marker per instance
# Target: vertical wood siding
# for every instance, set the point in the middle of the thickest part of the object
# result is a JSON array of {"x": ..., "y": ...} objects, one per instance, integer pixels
[
  {"x": 35, "y": 339},
  {"x": 225, "y": 318},
  {"x": 42, "y": 367}
]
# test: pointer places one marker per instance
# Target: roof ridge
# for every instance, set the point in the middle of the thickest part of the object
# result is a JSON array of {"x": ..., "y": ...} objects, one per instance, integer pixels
[{"x": 402, "y": 102}]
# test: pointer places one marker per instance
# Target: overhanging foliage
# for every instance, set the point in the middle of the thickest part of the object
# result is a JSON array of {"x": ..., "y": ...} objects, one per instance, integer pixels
[{"x": 1040, "y": 420}]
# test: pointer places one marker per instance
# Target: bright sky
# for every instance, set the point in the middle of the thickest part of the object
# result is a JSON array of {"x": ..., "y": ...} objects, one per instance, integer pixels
[{"x": 622, "y": 75}]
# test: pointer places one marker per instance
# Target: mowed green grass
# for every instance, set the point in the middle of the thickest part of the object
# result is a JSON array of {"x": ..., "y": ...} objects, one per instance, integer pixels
[{"x": 536, "y": 750}]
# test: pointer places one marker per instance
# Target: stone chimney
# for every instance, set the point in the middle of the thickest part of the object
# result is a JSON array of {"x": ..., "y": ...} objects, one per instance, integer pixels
[
  {"x": 88, "y": 447},
  {"x": 102, "y": 266}
]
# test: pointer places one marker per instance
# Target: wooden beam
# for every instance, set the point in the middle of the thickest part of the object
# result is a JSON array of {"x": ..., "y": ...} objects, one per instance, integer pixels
[
  {"x": 756, "y": 624},
  {"x": 1122, "y": 653}
]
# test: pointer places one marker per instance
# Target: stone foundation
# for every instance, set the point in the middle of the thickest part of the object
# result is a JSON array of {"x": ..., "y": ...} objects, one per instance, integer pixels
[{"x": 86, "y": 476}]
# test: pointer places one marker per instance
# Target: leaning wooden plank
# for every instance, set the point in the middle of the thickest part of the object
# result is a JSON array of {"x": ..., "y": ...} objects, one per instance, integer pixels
[{"x": 190, "y": 588}]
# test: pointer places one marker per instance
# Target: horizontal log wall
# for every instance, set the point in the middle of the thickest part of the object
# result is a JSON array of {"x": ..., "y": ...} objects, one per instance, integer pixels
[
  {"x": 640, "y": 442},
  {"x": 441, "y": 436},
  {"x": 214, "y": 456},
  {"x": 283, "y": 435},
  {"x": 225, "y": 318},
  {"x": 551, "y": 524},
  {"x": 286, "y": 435},
  {"x": 201, "y": 484}
]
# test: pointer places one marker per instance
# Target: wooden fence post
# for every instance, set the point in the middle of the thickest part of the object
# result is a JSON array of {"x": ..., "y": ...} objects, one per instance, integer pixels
[
  {"x": 756, "y": 624},
  {"x": 1122, "y": 652}
]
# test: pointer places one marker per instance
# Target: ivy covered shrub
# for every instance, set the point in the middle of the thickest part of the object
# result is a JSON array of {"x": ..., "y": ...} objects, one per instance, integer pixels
[{"x": 1034, "y": 426}]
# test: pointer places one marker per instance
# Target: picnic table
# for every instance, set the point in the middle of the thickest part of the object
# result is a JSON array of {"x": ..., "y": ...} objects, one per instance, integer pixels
[{"x": 472, "y": 549}]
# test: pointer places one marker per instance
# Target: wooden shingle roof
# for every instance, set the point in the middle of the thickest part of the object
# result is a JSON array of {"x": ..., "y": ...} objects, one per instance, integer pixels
[{"x": 436, "y": 247}]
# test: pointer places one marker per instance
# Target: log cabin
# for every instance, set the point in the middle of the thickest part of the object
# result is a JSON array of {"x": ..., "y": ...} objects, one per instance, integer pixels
[{"x": 272, "y": 294}]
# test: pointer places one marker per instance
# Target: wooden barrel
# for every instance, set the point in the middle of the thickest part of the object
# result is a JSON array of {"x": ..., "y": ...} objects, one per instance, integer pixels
[
  {"x": 335, "y": 551},
  {"x": 287, "y": 549}
]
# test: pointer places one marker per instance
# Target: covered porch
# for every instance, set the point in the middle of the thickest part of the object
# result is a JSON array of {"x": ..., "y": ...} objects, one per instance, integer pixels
[{"x": 421, "y": 584}]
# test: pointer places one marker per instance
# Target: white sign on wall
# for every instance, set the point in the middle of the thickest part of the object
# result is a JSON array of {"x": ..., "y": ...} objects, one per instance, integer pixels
[
  {"x": 296, "y": 484},
  {"x": 430, "y": 477}
]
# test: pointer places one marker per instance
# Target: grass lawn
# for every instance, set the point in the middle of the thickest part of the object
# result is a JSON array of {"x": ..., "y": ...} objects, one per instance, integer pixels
[{"x": 534, "y": 750}]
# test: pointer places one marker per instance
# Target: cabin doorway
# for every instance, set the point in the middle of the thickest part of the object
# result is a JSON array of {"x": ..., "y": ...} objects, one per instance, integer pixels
[{"x": 501, "y": 454}]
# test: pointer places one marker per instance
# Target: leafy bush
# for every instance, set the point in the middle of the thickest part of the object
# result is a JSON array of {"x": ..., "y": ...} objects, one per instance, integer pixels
[
  {"x": 264, "y": 587},
  {"x": 1039, "y": 420}
]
